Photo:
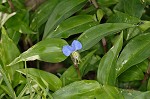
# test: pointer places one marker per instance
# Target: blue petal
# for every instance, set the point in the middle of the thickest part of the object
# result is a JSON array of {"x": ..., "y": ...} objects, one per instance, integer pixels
[
  {"x": 67, "y": 50},
  {"x": 76, "y": 45}
]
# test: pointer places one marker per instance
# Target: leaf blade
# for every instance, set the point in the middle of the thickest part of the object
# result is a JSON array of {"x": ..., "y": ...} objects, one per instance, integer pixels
[{"x": 88, "y": 38}]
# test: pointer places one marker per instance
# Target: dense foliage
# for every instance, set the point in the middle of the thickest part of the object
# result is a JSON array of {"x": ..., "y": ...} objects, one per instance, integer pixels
[{"x": 74, "y": 49}]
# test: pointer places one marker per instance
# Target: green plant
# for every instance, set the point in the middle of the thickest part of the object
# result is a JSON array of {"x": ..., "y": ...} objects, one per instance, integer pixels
[{"x": 109, "y": 53}]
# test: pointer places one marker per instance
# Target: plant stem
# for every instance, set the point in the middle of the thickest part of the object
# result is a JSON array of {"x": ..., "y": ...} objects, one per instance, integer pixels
[
  {"x": 11, "y": 5},
  {"x": 103, "y": 40},
  {"x": 77, "y": 69},
  {"x": 95, "y": 4},
  {"x": 104, "y": 44}
]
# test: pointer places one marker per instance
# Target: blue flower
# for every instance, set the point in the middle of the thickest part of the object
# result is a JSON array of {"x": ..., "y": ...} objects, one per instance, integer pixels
[{"x": 67, "y": 49}]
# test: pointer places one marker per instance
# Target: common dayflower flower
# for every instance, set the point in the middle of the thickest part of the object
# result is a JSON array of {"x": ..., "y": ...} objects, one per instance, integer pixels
[{"x": 72, "y": 50}]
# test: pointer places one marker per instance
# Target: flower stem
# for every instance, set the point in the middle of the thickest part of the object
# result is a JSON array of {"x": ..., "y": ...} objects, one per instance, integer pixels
[{"x": 77, "y": 69}]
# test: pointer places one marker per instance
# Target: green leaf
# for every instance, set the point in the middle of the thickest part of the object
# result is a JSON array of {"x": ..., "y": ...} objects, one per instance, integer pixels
[
  {"x": 62, "y": 11},
  {"x": 40, "y": 16},
  {"x": 134, "y": 52},
  {"x": 70, "y": 75},
  {"x": 131, "y": 74},
  {"x": 85, "y": 89},
  {"x": 109, "y": 92},
  {"x": 73, "y": 25},
  {"x": 20, "y": 22},
  {"x": 145, "y": 25},
  {"x": 8, "y": 52},
  {"x": 14, "y": 35},
  {"x": 99, "y": 14},
  {"x": 143, "y": 65},
  {"x": 133, "y": 94},
  {"x": 50, "y": 80},
  {"x": 49, "y": 50},
  {"x": 4, "y": 17},
  {"x": 120, "y": 17},
  {"x": 106, "y": 73},
  {"x": 133, "y": 7},
  {"x": 132, "y": 32},
  {"x": 107, "y": 2},
  {"x": 9, "y": 90},
  {"x": 93, "y": 35}
]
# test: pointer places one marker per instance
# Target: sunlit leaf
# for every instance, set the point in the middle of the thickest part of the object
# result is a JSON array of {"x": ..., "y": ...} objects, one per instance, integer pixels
[{"x": 49, "y": 50}]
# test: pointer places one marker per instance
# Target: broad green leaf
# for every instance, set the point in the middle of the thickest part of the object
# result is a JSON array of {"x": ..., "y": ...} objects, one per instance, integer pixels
[
  {"x": 85, "y": 89},
  {"x": 4, "y": 17},
  {"x": 73, "y": 25},
  {"x": 62, "y": 11},
  {"x": 40, "y": 16},
  {"x": 8, "y": 52},
  {"x": 134, "y": 52},
  {"x": 70, "y": 75},
  {"x": 106, "y": 73},
  {"x": 133, "y": 94},
  {"x": 131, "y": 74},
  {"x": 49, "y": 50},
  {"x": 120, "y": 17},
  {"x": 109, "y": 92},
  {"x": 132, "y": 7},
  {"x": 93, "y": 35},
  {"x": 50, "y": 80}
]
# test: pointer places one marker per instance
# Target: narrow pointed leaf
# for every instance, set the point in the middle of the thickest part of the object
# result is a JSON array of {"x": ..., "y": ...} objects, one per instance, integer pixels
[
  {"x": 106, "y": 73},
  {"x": 40, "y": 16},
  {"x": 120, "y": 17},
  {"x": 93, "y": 35},
  {"x": 73, "y": 25},
  {"x": 53, "y": 82},
  {"x": 68, "y": 7},
  {"x": 136, "y": 51}
]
